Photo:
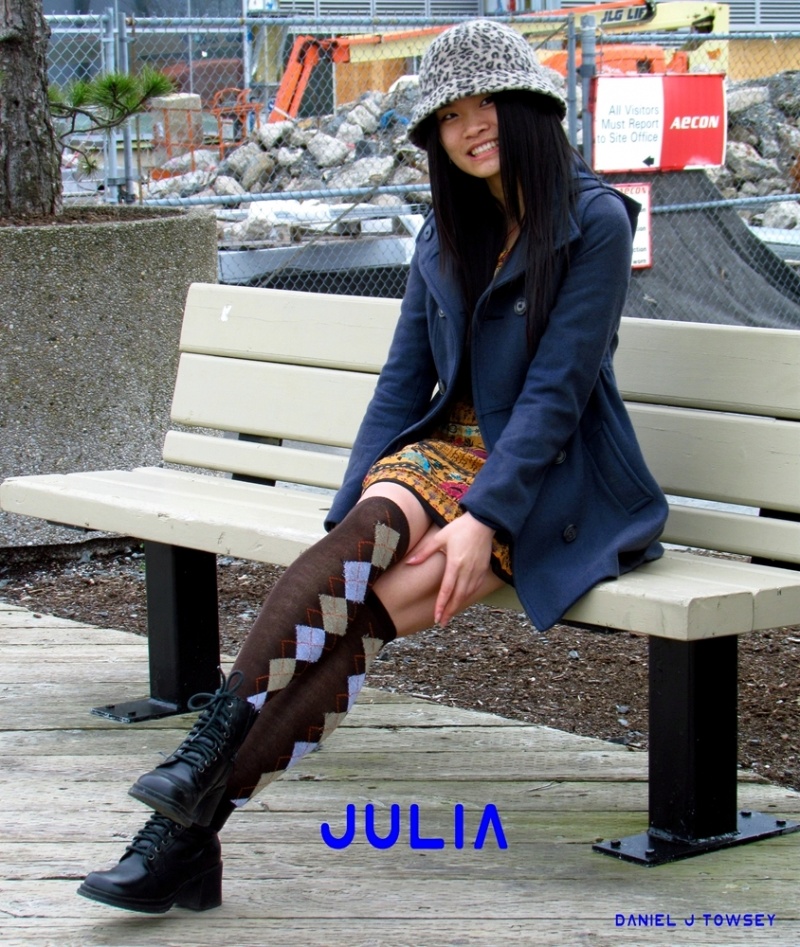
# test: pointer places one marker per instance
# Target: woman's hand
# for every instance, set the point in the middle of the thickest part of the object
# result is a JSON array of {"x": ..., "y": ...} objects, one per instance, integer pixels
[{"x": 466, "y": 545}]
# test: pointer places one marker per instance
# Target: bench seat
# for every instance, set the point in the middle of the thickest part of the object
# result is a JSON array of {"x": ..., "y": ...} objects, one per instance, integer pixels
[{"x": 684, "y": 597}]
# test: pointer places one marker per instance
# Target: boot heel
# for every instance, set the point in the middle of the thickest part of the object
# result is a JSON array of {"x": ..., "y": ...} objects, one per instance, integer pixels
[{"x": 203, "y": 892}]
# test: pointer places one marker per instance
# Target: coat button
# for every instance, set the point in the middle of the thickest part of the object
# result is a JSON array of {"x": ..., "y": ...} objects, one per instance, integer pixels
[
  {"x": 561, "y": 456},
  {"x": 570, "y": 533},
  {"x": 441, "y": 313},
  {"x": 520, "y": 306},
  {"x": 427, "y": 232}
]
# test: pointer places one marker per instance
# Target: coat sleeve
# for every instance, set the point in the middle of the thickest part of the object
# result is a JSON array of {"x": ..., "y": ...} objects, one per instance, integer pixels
[
  {"x": 580, "y": 334},
  {"x": 402, "y": 395}
]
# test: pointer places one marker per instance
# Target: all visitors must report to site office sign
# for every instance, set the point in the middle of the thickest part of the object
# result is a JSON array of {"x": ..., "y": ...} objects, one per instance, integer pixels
[{"x": 659, "y": 123}]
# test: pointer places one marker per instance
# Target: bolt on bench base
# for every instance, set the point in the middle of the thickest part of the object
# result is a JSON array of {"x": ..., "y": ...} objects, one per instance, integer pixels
[{"x": 649, "y": 848}]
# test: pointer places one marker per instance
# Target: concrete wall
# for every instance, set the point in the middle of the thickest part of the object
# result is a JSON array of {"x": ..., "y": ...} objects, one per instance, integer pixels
[{"x": 90, "y": 319}]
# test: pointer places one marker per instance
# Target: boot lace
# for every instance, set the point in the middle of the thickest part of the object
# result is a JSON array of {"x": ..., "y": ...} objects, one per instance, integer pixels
[
  {"x": 150, "y": 840},
  {"x": 212, "y": 727}
]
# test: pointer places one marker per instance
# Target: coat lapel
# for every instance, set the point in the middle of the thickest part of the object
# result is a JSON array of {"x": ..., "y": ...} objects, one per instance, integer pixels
[{"x": 442, "y": 284}]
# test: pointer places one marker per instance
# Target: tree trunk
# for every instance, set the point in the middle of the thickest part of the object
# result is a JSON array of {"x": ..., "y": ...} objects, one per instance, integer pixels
[{"x": 30, "y": 174}]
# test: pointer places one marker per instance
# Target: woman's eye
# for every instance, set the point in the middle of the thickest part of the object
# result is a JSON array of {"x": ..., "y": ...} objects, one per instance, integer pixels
[{"x": 489, "y": 100}]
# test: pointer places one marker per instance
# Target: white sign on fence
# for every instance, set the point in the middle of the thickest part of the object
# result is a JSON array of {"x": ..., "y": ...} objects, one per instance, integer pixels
[
  {"x": 659, "y": 123},
  {"x": 642, "y": 239}
]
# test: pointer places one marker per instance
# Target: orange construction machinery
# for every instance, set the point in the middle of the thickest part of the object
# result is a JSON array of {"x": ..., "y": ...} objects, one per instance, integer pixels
[{"x": 621, "y": 16}]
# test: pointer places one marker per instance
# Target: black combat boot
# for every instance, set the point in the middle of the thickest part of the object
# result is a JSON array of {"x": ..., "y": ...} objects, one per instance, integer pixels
[
  {"x": 188, "y": 786},
  {"x": 165, "y": 864}
]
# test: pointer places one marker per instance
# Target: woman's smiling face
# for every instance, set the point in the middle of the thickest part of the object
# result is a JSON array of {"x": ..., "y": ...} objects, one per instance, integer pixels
[{"x": 469, "y": 135}]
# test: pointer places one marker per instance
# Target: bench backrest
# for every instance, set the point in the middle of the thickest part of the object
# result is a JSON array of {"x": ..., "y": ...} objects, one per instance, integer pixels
[{"x": 716, "y": 408}]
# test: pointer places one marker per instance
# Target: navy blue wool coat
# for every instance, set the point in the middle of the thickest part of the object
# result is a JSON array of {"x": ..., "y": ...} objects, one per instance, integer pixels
[{"x": 565, "y": 479}]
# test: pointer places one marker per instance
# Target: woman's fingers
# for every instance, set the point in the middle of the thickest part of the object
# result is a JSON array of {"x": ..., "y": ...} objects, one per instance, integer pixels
[
  {"x": 466, "y": 545},
  {"x": 459, "y": 584},
  {"x": 425, "y": 548}
]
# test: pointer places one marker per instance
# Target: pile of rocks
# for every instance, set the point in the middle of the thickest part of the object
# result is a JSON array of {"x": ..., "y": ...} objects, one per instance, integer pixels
[
  {"x": 364, "y": 145},
  {"x": 763, "y": 153}
]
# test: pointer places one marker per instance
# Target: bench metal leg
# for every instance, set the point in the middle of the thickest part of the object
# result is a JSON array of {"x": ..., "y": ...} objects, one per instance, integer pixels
[
  {"x": 183, "y": 633},
  {"x": 693, "y": 757}
]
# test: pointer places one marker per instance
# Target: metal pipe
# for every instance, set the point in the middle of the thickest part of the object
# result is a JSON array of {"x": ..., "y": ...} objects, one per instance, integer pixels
[
  {"x": 110, "y": 147},
  {"x": 235, "y": 199},
  {"x": 287, "y": 195},
  {"x": 587, "y": 70},
  {"x": 572, "y": 82},
  {"x": 127, "y": 138},
  {"x": 236, "y": 22},
  {"x": 247, "y": 34},
  {"x": 727, "y": 202}
]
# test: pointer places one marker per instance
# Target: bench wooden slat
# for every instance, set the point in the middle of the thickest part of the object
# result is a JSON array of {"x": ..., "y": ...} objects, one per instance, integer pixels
[
  {"x": 297, "y": 402},
  {"x": 761, "y": 536},
  {"x": 674, "y": 605},
  {"x": 723, "y": 368},
  {"x": 200, "y": 485},
  {"x": 238, "y": 521},
  {"x": 162, "y": 493},
  {"x": 177, "y": 492},
  {"x": 692, "y": 602},
  {"x": 658, "y": 361},
  {"x": 690, "y": 526},
  {"x": 674, "y": 597},
  {"x": 267, "y": 461},
  {"x": 345, "y": 332},
  {"x": 724, "y": 457},
  {"x": 776, "y": 592}
]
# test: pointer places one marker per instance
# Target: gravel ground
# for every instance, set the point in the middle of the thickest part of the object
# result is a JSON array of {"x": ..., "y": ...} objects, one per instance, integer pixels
[{"x": 584, "y": 682}]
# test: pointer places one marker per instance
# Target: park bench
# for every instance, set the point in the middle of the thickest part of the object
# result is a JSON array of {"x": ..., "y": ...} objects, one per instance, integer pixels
[{"x": 270, "y": 390}]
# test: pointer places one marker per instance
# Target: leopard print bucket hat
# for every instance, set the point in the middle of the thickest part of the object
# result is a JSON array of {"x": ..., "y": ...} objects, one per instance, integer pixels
[{"x": 474, "y": 57}]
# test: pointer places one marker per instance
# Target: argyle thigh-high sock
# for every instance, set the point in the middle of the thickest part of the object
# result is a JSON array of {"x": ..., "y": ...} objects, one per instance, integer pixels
[
  {"x": 298, "y": 718},
  {"x": 309, "y": 611}
]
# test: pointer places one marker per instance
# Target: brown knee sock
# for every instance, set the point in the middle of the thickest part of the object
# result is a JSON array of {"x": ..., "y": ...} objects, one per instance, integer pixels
[
  {"x": 309, "y": 611},
  {"x": 296, "y": 720}
]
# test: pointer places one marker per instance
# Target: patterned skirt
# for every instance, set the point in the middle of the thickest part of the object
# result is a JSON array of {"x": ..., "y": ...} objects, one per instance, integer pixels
[{"x": 440, "y": 469}]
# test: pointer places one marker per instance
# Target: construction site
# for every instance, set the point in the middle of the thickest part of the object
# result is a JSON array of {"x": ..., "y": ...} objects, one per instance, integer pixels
[{"x": 292, "y": 131}]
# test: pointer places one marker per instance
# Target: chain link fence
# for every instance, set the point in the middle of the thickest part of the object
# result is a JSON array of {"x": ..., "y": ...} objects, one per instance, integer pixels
[
  {"x": 726, "y": 240},
  {"x": 292, "y": 129}
]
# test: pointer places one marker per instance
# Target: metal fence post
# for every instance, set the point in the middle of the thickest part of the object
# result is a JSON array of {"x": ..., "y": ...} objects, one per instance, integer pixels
[
  {"x": 572, "y": 82},
  {"x": 190, "y": 47},
  {"x": 110, "y": 146},
  {"x": 587, "y": 70},
  {"x": 247, "y": 60},
  {"x": 127, "y": 152}
]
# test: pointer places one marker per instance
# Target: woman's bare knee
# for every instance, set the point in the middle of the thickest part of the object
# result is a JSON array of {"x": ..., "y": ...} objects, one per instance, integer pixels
[{"x": 415, "y": 514}]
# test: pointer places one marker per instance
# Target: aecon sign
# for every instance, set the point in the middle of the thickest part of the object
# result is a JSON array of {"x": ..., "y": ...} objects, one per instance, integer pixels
[{"x": 659, "y": 123}]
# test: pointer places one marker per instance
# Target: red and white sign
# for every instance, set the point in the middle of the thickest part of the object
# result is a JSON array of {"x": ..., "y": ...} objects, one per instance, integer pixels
[
  {"x": 642, "y": 239},
  {"x": 659, "y": 123}
]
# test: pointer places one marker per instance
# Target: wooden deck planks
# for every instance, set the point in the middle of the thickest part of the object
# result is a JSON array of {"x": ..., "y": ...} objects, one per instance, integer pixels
[{"x": 65, "y": 810}]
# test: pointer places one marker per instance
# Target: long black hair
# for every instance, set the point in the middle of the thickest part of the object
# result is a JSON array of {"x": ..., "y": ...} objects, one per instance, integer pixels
[{"x": 536, "y": 169}]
